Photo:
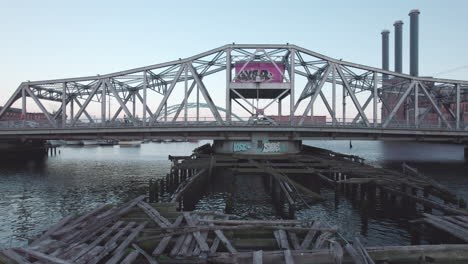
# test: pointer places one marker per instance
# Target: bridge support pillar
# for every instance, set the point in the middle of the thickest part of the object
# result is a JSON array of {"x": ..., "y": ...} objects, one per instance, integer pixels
[
  {"x": 20, "y": 150},
  {"x": 258, "y": 144}
]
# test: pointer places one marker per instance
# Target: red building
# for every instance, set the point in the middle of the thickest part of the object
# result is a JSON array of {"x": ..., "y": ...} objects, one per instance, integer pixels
[
  {"x": 392, "y": 92},
  {"x": 14, "y": 114}
]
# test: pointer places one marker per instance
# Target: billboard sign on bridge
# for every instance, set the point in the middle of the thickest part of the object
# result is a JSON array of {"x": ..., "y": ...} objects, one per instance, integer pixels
[{"x": 264, "y": 72}]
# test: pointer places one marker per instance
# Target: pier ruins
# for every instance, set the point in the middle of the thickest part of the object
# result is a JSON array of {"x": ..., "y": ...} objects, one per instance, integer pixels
[{"x": 162, "y": 227}]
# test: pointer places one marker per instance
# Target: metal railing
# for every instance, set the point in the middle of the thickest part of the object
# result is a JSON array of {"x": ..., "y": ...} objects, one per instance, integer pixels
[{"x": 245, "y": 122}]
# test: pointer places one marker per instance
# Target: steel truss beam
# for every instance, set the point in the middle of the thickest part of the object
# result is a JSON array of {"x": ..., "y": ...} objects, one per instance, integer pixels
[
  {"x": 352, "y": 95},
  {"x": 317, "y": 91},
  {"x": 125, "y": 86},
  {"x": 16, "y": 95},
  {"x": 205, "y": 94},
  {"x": 87, "y": 101},
  {"x": 400, "y": 101},
  {"x": 41, "y": 106},
  {"x": 433, "y": 103}
]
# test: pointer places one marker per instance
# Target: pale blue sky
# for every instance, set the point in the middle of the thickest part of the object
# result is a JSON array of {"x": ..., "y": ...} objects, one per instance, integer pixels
[{"x": 54, "y": 39}]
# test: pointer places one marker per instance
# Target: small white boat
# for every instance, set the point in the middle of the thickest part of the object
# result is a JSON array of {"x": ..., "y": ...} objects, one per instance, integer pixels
[
  {"x": 74, "y": 142},
  {"x": 91, "y": 142},
  {"x": 129, "y": 143},
  {"x": 56, "y": 143}
]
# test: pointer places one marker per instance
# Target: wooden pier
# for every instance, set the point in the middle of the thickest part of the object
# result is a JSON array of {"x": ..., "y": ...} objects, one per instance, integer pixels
[
  {"x": 294, "y": 181},
  {"x": 139, "y": 232},
  {"x": 160, "y": 229}
]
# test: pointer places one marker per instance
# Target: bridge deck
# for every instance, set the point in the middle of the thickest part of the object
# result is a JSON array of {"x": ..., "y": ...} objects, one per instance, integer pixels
[{"x": 238, "y": 132}]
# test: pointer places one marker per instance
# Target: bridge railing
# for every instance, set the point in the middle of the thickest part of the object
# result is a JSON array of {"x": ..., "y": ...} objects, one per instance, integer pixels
[{"x": 209, "y": 121}]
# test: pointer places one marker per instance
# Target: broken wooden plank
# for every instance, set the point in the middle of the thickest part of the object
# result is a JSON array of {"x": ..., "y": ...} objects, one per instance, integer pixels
[
  {"x": 111, "y": 244},
  {"x": 90, "y": 255},
  {"x": 294, "y": 240},
  {"x": 201, "y": 242},
  {"x": 277, "y": 238},
  {"x": 455, "y": 221},
  {"x": 288, "y": 259},
  {"x": 47, "y": 245},
  {"x": 310, "y": 235},
  {"x": 283, "y": 239},
  {"x": 446, "y": 226},
  {"x": 357, "y": 258},
  {"x": 320, "y": 242},
  {"x": 150, "y": 259},
  {"x": 214, "y": 245},
  {"x": 121, "y": 210},
  {"x": 193, "y": 248},
  {"x": 336, "y": 251},
  {"x": 257, "y": 257},
  {"x": 154, "y": 214},
  {"x": 119, "y": 251},
  {"x": 196, "y": 249},
  {"x": 183, "y": 188},
  {"x": 68, "y": 228},
  {"x": 426, "y": 202},
  {"x": 131, "y": 257},
  {"x": 88, "y": 214},
  {"x": 165, "y": 241},
  {"x": 363, "y": 251},
  {"x": 180, "y": 240},
  {"x": 239, "y": 227},
  {"x": 68, "y": 252},
  {"x": 462, "y": 218},
  {"x": 43, "y": 257},
  {"x": 216, "y": 241},
  {"x": 11, "y": 254},
  {"x": 225, "y": 241},
  {"x": 185, "y": 245},
  {"x": 90, "y": 230},
  {"x": 178, "y": 247},
  {"x": 52, "y": 229},
  {"x": 97, "y": 240},
  {"x": 254, "y": 222},
  {"x": 77, "y": 223}
]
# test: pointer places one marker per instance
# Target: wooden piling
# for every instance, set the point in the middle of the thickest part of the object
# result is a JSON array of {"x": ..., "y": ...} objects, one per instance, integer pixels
[{"x": 156, "y": 191}]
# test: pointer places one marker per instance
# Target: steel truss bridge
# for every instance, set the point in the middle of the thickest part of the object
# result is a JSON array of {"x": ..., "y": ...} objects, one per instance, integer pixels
[{"x": 372, "y": 103}]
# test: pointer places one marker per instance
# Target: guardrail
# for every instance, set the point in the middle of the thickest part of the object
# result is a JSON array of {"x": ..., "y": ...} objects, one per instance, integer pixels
[{"x": 208, "y": 121}]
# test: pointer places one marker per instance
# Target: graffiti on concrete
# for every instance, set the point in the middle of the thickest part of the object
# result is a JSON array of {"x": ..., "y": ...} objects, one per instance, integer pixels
[
  {"x": 241, "y": 146},
  {"x": 271, "y": 147}
]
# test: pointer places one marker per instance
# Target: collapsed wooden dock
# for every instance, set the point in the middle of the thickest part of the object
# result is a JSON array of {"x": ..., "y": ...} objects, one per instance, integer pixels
[
  {"x": 139, "y": 232},
  {"x": 294, "y": 181},
  {"x": 455, "y": 225},
  {"x": 159, "y": 230}
]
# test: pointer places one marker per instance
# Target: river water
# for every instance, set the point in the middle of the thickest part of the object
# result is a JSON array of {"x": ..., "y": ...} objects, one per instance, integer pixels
[{"x": 35, "y": 194}]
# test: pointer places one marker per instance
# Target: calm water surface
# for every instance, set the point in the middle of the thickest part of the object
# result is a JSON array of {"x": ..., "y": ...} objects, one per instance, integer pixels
[{"x": 33, "y": 195}]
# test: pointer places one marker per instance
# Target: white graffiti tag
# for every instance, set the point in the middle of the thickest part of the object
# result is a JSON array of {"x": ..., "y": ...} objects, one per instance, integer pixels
[{"x": 271, "y": 147}]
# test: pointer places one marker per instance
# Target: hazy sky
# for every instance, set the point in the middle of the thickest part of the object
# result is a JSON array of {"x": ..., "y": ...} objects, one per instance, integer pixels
[{"x": 55, "y": 39}]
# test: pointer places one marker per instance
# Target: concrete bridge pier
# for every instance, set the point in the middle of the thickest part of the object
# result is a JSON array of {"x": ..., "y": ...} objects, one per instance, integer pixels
[
  {"x": 260, "y": 143},
  {"x": 19, "y": 150}
]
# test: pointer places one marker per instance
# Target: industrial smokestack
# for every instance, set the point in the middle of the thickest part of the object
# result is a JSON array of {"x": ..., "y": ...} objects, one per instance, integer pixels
[
  {"x": 385, "y": 49},
  {"x": 414, "y": 42},
  {"x": 398, "y": 46}
]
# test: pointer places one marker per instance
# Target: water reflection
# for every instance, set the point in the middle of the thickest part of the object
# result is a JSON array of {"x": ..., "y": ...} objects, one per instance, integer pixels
[
  {"x": 386, "y": 222},
  {"x": 35, "y": 194}
]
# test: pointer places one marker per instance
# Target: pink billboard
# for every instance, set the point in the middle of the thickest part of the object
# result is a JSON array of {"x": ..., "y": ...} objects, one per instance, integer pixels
[{"x": 265, "y": 72}]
